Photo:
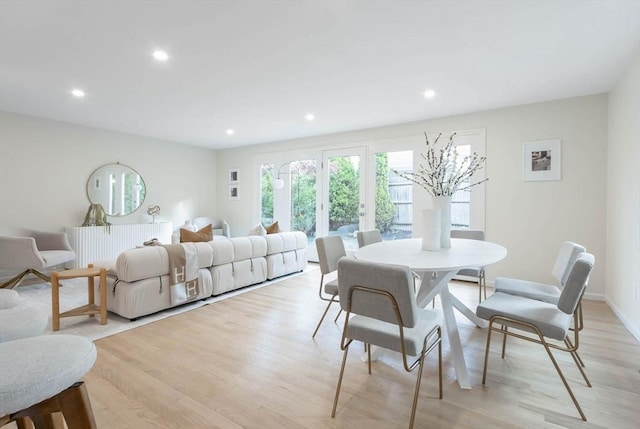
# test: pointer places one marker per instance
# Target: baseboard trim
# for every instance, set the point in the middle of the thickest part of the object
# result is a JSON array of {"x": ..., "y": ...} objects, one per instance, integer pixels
[{"x": 633, "y": 330}]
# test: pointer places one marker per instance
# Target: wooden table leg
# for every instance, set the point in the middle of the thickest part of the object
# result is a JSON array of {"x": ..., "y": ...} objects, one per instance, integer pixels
[
  {"x": 103, "y": 296},
  {"x": 91, "y": 290},
  {"x": 55, "y": 302}
]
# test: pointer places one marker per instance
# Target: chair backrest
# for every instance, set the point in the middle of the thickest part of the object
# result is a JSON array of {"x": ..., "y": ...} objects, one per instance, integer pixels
[
  {"x": 397, "y": 280},
  {"x": 569, "y": 252},
  {"x": 576, "y": 283},
  {"x": 330, "y": 250},
  {"x": 368, "y": 237},
  {"x": 471, "y": 234}
]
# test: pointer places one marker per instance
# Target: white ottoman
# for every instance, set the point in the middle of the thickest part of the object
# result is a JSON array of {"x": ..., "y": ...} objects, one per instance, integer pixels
[
  {"x": 39, "y": 374},
  {"x": 19, "y": 319}
]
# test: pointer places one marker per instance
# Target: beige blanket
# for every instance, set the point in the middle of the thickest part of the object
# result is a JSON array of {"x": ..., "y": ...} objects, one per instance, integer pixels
[{"x": 183, "y": 272}]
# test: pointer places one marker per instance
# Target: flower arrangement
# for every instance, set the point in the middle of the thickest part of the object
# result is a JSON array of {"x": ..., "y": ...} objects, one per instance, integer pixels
[{"x": 443, "y": 173}]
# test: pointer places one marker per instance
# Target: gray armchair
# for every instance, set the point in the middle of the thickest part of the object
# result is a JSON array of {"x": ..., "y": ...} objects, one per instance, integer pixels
[
  {"x": 220, "y": 227},
  {"x": 33, "y": 253}
]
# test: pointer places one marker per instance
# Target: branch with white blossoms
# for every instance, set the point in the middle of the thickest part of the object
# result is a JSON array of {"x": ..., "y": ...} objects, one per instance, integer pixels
[{"x": 442, "y": 174}]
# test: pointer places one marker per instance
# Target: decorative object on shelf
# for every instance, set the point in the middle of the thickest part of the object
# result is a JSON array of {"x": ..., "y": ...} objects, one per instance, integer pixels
[
  {"x": 443, "y": 173},
  {"x": 431, "y": 229},
  {"x": 542, "y": 160},
  {"x": 153, "y": 211},
  {"x": 96, "y": 216}
]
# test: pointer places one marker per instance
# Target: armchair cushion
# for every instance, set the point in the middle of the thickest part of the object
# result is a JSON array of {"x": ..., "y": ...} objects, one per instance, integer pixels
[{"x": 40, "y": 251}]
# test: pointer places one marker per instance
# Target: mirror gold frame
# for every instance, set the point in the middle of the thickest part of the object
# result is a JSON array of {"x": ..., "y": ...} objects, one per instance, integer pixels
[{"x": 119, "y": 188}]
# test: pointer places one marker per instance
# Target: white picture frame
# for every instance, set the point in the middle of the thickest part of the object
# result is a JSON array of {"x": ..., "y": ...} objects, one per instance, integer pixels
[
  {"x": 542, "y": 160},
  {"x": 234, "y": 192},
  {"x": 234, "y": 176}
]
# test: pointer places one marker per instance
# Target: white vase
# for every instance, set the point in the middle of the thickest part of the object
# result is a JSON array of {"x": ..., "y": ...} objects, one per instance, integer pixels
[
  {"x": 431, "y": 229},
  {"x": 189, "y": 226},
  {"x": 444, "y": 204}
]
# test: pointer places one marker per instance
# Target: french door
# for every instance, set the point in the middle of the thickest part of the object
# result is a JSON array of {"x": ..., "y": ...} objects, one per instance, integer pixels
[{"x": 342, "y": 209}]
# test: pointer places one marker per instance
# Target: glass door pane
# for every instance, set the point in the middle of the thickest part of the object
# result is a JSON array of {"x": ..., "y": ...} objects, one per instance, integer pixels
[
  {"x": 461, "y": 200},
  {"x": 393, "y": 195},
  {"x": 344, "y": 213},
  {"x": 266, "y": 194},
  {"x": 303, "y": 198}
]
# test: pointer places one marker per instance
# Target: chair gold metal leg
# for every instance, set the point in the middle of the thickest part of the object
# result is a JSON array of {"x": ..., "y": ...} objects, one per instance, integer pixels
[
  {"x": 486, "y": 352},
  {"x": 15, "y": 281},
  {"x": 564, "y": 380},
  {"x": 333, "y": 299},
  {"x": 504, "y": 340},
  {"x": 335, "y": 400},
  {"x": 339, "y": 313},
  {"x": 417, "y": 390},
  {"x": 440, "y": 362},
  {"x": 369, "y": 357},
  {"x": 577, "y": 360}
]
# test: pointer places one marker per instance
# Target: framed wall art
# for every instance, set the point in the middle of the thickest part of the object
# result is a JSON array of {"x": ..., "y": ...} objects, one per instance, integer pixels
[
  {"x": 234, "y": 176},
  {"x": 234, "y": 192},
  {"x": 542, "y": 160}
]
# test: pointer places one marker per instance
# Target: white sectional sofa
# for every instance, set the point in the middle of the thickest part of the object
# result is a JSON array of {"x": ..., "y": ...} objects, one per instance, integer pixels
[{"x": 139, "y": 283}]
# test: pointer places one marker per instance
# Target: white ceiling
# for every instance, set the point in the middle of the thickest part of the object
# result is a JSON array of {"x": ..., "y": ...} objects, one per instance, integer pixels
[{"x": 259, "y": 66}]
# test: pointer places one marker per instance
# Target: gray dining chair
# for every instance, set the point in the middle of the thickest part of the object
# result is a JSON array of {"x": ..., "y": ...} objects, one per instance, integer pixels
[
  {"x": 330, "y": 250},
  {"x": 568, "y": 254},
  {"x": 381, "y": 310},
  {"x": 368, "y": 237},
  {"x": 542, "y": 322},
  {"x": 474, "y": 272}
]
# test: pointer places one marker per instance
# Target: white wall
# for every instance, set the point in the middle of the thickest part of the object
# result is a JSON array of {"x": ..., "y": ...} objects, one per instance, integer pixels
[
  {"x": 531, "y": 219},
  {"x": 623, "y": 199},
  {"x": 44, "y": 167}
]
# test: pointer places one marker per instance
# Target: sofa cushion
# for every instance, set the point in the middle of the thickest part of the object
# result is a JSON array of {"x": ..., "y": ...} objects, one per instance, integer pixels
[
  {"x": 274, "y": 228},
  {"x": 204, "y": 234},
  {"x": 258, "y": 230},
  {"x": 152, "y": 261},
  {"x": 285, "y": 242}
]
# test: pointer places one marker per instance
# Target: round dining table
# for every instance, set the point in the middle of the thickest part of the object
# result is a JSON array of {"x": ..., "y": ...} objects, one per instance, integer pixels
[{"x": 436, "y": 269}]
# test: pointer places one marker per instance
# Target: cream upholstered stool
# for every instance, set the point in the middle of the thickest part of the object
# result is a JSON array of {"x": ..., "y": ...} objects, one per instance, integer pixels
[
  {"x": 18, "y": 318},
  {"x": 91, "y": 308},
  {"x": 47, "y": 382}
]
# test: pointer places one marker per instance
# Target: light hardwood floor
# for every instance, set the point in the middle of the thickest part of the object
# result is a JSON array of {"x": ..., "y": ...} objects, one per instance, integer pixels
[{"x": 250, "y": 362}]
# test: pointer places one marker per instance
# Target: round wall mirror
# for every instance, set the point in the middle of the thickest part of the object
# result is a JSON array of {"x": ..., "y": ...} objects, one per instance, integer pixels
[{"x": 120, "y": 189}]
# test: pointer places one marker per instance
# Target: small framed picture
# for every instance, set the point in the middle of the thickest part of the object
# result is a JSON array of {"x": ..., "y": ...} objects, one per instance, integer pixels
[
  {"x": 234, "y": 176},
  {"x": 542, "y": 160},
  {"x": 234, "y": 192}
]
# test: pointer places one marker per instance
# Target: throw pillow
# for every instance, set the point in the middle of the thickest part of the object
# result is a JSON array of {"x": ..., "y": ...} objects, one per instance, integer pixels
[
  {"x": 258, "y": 230},
  {"x": 273, "y": 228},
  {"x": 204, "y": 234}
]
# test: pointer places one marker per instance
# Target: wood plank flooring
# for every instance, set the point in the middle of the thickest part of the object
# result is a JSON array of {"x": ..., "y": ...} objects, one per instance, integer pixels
[{"x": 250, "y": 362}]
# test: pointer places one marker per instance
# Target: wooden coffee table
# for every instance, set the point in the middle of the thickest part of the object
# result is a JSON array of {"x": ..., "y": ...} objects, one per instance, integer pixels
[{"x": 91, "y": 309}]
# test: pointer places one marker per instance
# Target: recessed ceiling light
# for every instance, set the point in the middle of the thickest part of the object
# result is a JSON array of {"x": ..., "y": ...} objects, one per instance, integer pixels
[
  {"x": 309, "y": 117},
  {"x": 230, "y": 131},
  {"x": 78, "y": 93},
  {"x": 160, "y": 55},
  {"x": 429, "y": 93}
]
